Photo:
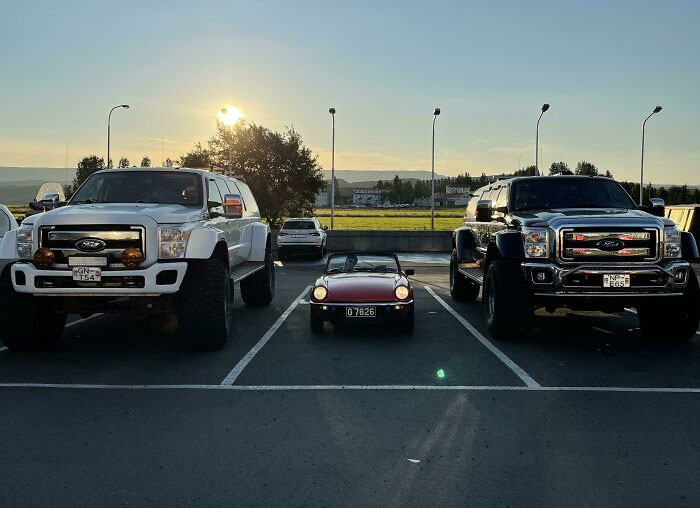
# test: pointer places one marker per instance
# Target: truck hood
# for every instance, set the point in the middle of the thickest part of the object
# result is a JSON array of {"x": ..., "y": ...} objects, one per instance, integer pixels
[
  {"x": 115, "y": 213},
  {"x": 589, "y": 216}
]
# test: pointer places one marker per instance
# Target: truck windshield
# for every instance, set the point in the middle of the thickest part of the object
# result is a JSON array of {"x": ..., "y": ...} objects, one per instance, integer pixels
[
  {"x": 162, "y": 187},
  {"x": 560, "y": 192}
]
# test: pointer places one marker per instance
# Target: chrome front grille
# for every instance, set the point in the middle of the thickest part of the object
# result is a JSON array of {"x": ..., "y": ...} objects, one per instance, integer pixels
[
  {"x": 578, "y": 244},
  {"x": 62, "y": 241}
]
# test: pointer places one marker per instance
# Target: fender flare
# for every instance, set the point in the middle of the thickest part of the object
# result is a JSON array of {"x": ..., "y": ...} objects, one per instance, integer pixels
[
  {"x": 507, "y": 245},
  {"x": 260, "y": 241},
  {"x": 689, "y": 247},
  {"x": 464, "y": 244},
  {"x": 202, "y": 242}
]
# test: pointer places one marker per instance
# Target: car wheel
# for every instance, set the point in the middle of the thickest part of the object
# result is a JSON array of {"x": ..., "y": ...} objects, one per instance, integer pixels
[
  {"x": 258, "y": 289},
  {"x": 461, "y": 288},
  {"x": 319, "y": 254},
  {"x": 675, "y": 321},
  {"x": 315, "y": 323},
  {"x": 408, "y": 324},
  {"x": 507, "y": 304},
  {"x": 204, "y": 305},
  {"x": 28, "y": 324}
]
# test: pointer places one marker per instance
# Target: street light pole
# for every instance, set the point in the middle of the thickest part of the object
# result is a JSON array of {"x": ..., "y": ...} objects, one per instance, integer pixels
[
  {"x": 332, "y": 112},
  {"x": 224, "y": 111},
  {"x": 641, "y": 173},
  {"x": 109, "y": 129},
  {"x": 436, "y": 112},
  {"x": 545, "y": 107}
]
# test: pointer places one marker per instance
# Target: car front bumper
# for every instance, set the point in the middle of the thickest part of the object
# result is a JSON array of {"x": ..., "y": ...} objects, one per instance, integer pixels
[
  {"x": 388, "y": 312},
  {"x": 669, "y": 278},
  {"x": 26, "y": 278}
]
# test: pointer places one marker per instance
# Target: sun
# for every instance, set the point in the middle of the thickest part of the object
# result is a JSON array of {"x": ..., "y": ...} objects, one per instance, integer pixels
[{"x": 229, "y": 115}]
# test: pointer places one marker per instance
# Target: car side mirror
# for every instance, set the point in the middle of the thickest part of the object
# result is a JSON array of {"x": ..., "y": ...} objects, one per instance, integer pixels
[
  {"x": 233, "y": 206},
  {"x": 484, "y": 210},
  {"x": 657, "y": 207},
  {"x": 325, "y": 228},
  {"x": 410, "y": 271},
  {"x": 212, "y": 207}
]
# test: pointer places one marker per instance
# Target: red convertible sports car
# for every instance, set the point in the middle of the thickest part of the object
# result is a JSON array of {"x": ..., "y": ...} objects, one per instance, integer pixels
[{"x": 362, "y": 287}]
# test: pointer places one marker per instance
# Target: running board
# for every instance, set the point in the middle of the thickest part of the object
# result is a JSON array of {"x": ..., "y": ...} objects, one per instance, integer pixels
[
  {"x": 244, "y": 270},
  {"x": 474, "y": 274}
]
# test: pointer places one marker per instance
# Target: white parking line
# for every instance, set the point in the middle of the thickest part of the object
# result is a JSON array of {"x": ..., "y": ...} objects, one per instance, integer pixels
[
  {"x": 243, "y": 363},
  {"x": 486, "y": 343},
  {"x": 273, "y": 388},
  {"x": 76, "y": 322}
]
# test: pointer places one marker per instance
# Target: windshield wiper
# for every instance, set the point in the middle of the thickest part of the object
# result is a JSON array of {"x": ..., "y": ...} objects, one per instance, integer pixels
[
  {"x": 87, "y": 201},
  {"x": 334, "y": 270}
]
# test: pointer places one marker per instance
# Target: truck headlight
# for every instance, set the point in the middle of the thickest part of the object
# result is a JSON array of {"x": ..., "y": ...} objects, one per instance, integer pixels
[
  {"x": 172, "y": 241},
  {"x": 24, "y": 241},
  {"x": 535, "y": 242},
  {"x": 672, "y": 242}
]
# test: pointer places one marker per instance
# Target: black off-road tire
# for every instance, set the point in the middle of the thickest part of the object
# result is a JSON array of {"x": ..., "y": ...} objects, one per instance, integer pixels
[
  {"x": 319, "y": 253},
  {"x": 29, "y": 324},
  {"x": 204, "y": 305},
  {"x": 461, "y": 288},
  {"x": 258, "y": 289},
  {"x": 507, "y": 304},
  {"x": 315, "y": 323},
  {"x": 673, "y": 320}
]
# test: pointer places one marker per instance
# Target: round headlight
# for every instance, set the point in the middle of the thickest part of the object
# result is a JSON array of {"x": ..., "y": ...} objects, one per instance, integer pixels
[
  {"x": 43, "y": 257},
  {"x": 401, "y": 292},
  {"x": 132, "y": 258},
  {"x": 320, "y": 292}
]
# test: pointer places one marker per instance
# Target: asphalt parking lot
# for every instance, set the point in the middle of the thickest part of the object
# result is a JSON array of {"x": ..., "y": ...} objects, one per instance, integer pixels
[{"x": 582, "y": 412}]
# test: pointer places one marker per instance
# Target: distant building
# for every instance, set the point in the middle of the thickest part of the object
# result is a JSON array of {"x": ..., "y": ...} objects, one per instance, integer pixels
[
  {"x": 366, "y": 197},
  {"x": 444, "y": 199},
  {"x": 322, "y": 199},
  {"x": 456, "y": 190}
]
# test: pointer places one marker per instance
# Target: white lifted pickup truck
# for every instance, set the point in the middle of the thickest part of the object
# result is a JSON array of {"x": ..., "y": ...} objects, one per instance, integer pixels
[{"x": 145, "y": 240}]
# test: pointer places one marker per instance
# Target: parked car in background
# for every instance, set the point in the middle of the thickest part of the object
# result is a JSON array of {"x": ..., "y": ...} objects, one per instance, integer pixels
[
  {"x": 578, "y": 242},
  {"x": 362, "y": 287},
  {"x": 146, "y": 240},
  {"x": 302, "y": 235}
]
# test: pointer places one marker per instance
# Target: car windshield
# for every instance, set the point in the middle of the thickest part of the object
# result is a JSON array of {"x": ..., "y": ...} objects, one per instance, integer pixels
[
  {"x": 359, "y": 262},
  {"x": 163, "y": 187},
  {"x": 299, "y": 224},
  {"x": 561, "y": 192}
]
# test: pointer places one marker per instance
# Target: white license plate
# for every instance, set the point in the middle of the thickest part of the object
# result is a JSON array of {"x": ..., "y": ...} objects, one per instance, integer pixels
[
  {"x": 361, "y": 312},
  {"x": 87, "y": 274},
  {"x": 616, "y": 280}
]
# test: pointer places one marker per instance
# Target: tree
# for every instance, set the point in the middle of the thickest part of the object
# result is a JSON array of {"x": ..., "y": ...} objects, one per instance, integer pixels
[
  {"x": 146, "y": 162},
  {"x": 86, "y": 167},
  {"x": 198, "y": 158},
  {"x": 123, "y": 162},
  {"x": 169, "y": 163},
  {"x": 557, "y": 168},
  {"x": 586, "y": 168},
  {"x": 283, "y": 174},
  {"x": 608, "y": 174},
  {"x": 528, "y": 171}
]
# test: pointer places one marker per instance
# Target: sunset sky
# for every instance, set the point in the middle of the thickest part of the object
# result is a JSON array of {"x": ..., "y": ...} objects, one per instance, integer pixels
[{"x": 384, "y": 66}]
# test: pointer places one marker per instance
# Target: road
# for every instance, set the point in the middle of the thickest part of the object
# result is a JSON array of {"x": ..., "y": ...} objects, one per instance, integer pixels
[{"x": 582, "y": 412}]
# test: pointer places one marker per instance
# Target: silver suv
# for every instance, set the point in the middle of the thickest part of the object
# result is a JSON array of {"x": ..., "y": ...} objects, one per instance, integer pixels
[
  {"x": 302, "y": 234},
  {"x": 153, "y": 240}
]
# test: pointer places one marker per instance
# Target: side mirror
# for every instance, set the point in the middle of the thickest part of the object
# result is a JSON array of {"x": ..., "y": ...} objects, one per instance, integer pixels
[
  {"x": 325, "y": 228},
  {"x": 410, "y": 271},
  {"x": 212, "y": 207},
  {"x": 233, "y": 206},
  {"x": 484, "y": 210},
  {"x": 657, "y": 207}
]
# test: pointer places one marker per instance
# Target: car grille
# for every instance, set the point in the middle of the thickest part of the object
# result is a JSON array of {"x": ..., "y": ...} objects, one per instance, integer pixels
[
  {"x": 62, "y": 241},
  {"x": 608, "y": 244}
]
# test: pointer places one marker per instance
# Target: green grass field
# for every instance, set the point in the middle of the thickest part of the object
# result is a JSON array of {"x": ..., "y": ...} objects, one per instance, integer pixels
[{"x": 446, "y": 219}]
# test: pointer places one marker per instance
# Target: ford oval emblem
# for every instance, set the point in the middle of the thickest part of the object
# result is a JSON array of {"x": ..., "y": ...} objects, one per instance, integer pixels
[
  {"x": 90, "y": 245},
  {"x": 610, "y": 245}
]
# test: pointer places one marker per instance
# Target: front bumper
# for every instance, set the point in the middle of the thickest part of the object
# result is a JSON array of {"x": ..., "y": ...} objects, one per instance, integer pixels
[
  {"x": 386, "y": 312},
  {"x": 26, "y": 278},
  {"x": 668, "y": 278}
]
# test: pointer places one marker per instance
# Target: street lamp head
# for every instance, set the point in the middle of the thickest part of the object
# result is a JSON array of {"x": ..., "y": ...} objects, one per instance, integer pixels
[
  {"x": 657, "y": 109},
  {"x": 545, "y": 107},
  {"x": 125, "y": 106},
  {"x": 436, "y": 112},
  {"x": 331, "y": 111}
]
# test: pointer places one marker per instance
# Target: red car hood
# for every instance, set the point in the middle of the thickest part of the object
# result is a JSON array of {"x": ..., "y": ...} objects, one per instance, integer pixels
[{"x": 362, "y": 287}]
